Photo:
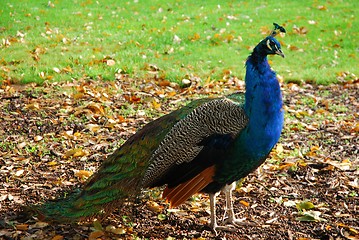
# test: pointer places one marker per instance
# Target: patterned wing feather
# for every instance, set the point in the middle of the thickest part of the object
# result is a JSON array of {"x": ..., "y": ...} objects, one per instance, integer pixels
[{"x": 223, "y": 116}]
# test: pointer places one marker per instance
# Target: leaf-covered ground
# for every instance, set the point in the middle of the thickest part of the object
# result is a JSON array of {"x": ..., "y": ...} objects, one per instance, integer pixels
[{"x": 55, "y": 136}]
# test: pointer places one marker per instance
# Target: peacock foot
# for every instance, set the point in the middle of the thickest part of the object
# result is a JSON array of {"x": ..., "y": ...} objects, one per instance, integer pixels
[
  {"x": 229, "y": 228},
  {"x": 231, "y": 221},
  {"x": 230, "y": 225}
]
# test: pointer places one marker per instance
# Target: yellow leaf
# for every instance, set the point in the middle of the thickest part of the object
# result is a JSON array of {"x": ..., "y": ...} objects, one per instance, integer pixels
[
  {"x": 52, "y": 163},
  {"x": 156, "y": 105},
  {"x": 171, "y": 94},
  {"x": 33, "y": 106},
  {"x": 67, "y": 69},
  {"x": 279, "y": 149},
  {"x": 78, "y": 95},
  {"x": 77, "y": 152},
  {"x": 354, "y": 231},
  {"x": 305, "y": 205},
  {"x": 83, "y": 174}
]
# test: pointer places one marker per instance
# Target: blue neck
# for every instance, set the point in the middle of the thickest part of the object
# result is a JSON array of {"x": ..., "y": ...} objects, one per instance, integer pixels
[{"x": 263, "y": 106}]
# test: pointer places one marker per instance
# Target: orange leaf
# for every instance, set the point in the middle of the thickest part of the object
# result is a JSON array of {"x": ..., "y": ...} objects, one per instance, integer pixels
[
  {"x": 244, "y": 203},
  {"x": 132, "y": 99},
  {"x": 164, "y": 83}
]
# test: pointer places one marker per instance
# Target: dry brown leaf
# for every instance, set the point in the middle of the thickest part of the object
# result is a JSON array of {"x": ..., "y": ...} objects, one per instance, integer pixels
[
  {"x": 57, "y": 237},
  {"x": 22, "y": 227},
  {"x": 95, "y": 235},
  {"x": 95, "y": 108}
]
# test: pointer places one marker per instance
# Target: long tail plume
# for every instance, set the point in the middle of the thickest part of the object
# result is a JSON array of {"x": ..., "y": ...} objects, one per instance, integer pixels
[{"x": 117, "y": 179}]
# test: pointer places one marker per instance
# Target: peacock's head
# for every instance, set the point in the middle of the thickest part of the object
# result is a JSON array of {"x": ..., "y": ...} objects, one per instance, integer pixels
[{"x": 270, "y": 45}]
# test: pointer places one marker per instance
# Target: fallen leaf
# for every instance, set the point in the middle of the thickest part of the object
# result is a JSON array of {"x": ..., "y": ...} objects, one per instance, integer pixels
[
  {"x": 95, "y": 108},
  {"x": 97, "y": 225},
  {"x": 83, "y": 174},
  {"x": 153, "y": 206},
  {"x": 57, "y": 237},
  {"x": 311, "y": 216},
  {"x": 20, "y": 172},
  {"x": 110, "y": 62},
  {"x": 40, "y": 225},
  {"x": 38, "y": 138},
  {"x": 244, "y": 203},
  {"x": 95, "y": 235},
  {"x": 161, "y": 217},
  {"x": 33, "y": 106},
  {"x": 118, "y": 231},
  {"x": 22, "y": 227},
  {"x": 304, "y": 205},
  {"x": 77, "y": 152}
]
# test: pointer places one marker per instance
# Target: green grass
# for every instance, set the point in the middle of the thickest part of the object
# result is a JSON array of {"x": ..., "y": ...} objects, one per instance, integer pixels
[{"x": 77, "y": 37}]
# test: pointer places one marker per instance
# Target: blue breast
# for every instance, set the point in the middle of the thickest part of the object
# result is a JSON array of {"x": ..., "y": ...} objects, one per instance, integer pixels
[{"x": 263, "y": 106}]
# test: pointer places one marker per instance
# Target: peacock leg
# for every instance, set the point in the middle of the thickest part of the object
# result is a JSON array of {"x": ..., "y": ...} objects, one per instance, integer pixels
[
  {"x": 212, "y": 203},
  {"x": 231, "y": 219},
  {"x": 229, "y": 205},
  {"x": 213, "y": 224}
]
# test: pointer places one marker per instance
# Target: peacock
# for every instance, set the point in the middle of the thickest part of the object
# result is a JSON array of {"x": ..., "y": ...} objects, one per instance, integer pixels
[{"x": 205, "y": 146}]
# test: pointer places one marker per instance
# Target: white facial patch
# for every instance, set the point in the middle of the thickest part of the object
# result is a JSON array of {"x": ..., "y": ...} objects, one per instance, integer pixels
[{"x": 268, "y": 45}]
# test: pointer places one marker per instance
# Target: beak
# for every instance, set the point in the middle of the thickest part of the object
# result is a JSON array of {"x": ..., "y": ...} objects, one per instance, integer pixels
[{"x": 280, "y": 53}]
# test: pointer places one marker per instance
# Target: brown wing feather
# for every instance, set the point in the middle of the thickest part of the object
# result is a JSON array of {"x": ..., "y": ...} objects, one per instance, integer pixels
[{"x": 180, "y": 193}]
